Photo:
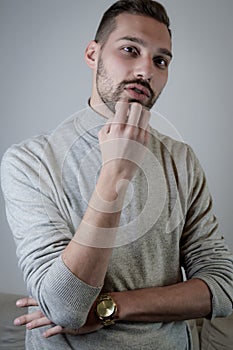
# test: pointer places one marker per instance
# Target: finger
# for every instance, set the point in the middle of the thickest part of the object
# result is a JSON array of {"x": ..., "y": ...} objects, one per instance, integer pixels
[
  {"x": 135, "y": 113},
  {"x": 122, "y": 112},
  {"x": 143, "y": 136},
  {"x": 53, "y": 331},
  {"x": 103, "y": 131},
  {"x": 107, "y": 125},
  {"x": 144, "y": 119},
  {"x": 41, "y": 322},
  {"x": 24, "y": 319},
  {"x": 25, "y": 302}
]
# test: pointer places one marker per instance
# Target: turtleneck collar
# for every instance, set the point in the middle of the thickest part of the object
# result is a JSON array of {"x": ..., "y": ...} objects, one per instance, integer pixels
[{"x": 89, "y": 122}]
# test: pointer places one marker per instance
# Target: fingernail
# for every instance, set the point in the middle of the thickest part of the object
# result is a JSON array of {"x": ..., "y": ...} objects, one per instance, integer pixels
[
  {"x": 19, "y": 303},
  {"x": 17, "y": 322},
  {"x": 28, "y": 325}
]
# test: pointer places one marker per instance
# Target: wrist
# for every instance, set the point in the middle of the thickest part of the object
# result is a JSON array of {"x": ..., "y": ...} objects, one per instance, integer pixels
[
  {"x": 109, "y": 172},
  {"x": 110, "y": 191},
  {"x": 106, "y": 309}
]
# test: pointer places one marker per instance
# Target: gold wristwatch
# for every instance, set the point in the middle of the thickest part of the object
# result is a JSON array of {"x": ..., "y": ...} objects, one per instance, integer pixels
[{"x": 106, "y": 309}]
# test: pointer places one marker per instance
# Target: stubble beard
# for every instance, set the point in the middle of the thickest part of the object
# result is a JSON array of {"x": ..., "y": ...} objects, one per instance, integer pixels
[{"x": 111, "y": 96}]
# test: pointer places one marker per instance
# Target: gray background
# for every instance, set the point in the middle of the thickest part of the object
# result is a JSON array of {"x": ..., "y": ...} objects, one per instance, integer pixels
[{"x": 44, "y": 80}]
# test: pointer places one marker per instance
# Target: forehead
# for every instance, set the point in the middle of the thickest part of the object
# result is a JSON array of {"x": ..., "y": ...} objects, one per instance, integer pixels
[{"x": 146, "y": 28}]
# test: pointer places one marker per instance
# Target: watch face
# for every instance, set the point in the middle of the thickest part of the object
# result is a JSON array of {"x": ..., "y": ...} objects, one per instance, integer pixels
[{"x": 105, "y": 308}]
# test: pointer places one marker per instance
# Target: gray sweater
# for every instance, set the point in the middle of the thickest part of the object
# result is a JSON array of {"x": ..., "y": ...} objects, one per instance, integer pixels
[{"x": 167, "y": 223}]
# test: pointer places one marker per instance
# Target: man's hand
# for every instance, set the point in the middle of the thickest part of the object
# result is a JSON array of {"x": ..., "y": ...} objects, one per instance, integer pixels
[
  {"x": 38, "y": 319},
  {"x": 123, "y": 139},
  {"x": 123, "y": 143}
]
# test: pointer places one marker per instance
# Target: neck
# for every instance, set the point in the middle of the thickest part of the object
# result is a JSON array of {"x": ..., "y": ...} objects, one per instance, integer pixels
[{"x": 101, "y": 108}]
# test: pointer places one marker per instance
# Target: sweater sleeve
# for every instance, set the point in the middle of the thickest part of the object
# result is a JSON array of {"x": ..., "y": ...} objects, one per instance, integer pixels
[
  {"x": 41, "y": 232},
  {"x": 204, "y": 252}
]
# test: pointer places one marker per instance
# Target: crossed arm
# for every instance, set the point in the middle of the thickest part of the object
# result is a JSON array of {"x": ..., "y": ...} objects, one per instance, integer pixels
[{"x": 182, "y": 301}]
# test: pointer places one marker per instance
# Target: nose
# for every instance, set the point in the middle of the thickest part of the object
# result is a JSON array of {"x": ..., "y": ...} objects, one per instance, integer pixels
[{"x": 144, "y": 69}]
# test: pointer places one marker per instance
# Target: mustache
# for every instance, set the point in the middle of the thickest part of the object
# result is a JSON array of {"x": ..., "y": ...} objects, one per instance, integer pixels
[{"x": 141, "y": 82}]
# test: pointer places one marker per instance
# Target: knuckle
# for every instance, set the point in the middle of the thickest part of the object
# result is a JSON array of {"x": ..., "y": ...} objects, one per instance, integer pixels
[
  {"x": 23, "y": 319},
  {"x": 118, "y": 126},
  {"x": 40, "y": 313},
  {"x": 60, "y": 329},
  {"x": 26, "y": 301},
  {"x": 141, "y": 138},
  {"x": 131, "y": 132}
]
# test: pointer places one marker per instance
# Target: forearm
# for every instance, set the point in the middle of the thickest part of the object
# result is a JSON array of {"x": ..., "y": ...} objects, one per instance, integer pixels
[
  {"x": 123, "y": 148},
  {"x": 185, "y": 300},
  {"x": 182, "y": 301},
  {"x": 88, "y": 254}
]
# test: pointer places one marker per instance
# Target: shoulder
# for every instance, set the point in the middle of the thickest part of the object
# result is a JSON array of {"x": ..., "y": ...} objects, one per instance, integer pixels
[
  {"x": 29, "y": 150},
  {"x": 176, "y": 155},
  {"x": 33, "y": 149},
  {"x": 167, "y": 144},
  {"x": 22, "y": 161}
]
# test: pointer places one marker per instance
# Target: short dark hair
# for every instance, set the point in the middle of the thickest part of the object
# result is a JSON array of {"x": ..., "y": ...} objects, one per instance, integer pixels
[{"x": 147, "y": 8}]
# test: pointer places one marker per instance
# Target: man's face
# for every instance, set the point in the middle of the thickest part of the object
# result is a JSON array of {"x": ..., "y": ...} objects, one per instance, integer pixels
[{"x": 133, "y": 63}]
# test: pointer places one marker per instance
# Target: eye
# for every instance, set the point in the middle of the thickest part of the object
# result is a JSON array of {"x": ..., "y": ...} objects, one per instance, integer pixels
[
  {"x": 130, "y": 50},
  {"x": 161, "y": 62}
]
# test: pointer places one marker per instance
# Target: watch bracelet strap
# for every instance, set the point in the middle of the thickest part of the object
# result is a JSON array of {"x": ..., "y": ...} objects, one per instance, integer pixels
[{"x": 109, "y": 321}]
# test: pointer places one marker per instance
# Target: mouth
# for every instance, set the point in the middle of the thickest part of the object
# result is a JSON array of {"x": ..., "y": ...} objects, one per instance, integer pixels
[{"x": 138, "y": 89}]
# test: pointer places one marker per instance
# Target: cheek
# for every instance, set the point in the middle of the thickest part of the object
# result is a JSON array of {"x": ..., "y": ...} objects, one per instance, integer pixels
[
  {"x": 118, "y": 68},
  {"x": 161, "y": 80}
]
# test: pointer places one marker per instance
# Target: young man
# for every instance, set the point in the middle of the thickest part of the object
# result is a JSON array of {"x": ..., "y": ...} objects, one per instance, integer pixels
[{"x": 103, "y": 262}]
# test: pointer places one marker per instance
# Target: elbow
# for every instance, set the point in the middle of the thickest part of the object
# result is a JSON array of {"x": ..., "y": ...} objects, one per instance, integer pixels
[
  {"x": 71, "y": 319},
  {"x": 62, "y": 297}
]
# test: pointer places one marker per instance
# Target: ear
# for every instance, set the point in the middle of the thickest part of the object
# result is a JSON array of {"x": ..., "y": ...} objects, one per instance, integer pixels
[{"x": 91, "y": 54}]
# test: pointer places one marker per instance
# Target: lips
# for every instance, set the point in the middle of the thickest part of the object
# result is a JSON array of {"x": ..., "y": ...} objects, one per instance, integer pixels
[{"x": 138, "y": 89}]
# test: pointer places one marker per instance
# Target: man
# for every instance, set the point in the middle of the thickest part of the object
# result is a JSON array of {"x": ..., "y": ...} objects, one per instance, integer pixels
[{"x": 105, "y": 211}]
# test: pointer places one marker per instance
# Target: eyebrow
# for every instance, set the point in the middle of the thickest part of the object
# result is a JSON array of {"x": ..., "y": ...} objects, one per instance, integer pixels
[{"x": 143, "y": 43}]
